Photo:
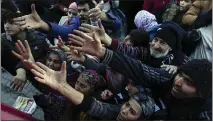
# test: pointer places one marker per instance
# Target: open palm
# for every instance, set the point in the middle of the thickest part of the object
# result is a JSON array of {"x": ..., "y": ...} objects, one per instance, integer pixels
[
  {"x": 45, "y": 75},
  {"x": 24, "y": 53},
  {"x": 99, "y": 31},
  {"x": 90, "y": 45},
  {"x": 30, "y": 21}
]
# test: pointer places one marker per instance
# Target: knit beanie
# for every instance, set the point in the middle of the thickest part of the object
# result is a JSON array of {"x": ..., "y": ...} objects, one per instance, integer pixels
[
  {"x": 147, "y": 104},
  {"x": 170, "y": 37},
  {"x": 139, "y": 38},
  {"x": 61, "y": 54},
  {"x": 200, "y": 71},
  {"x": 73, "y": 6},
  {"x": 145, "y": 20},
  {"x": 94, "y": 80}
]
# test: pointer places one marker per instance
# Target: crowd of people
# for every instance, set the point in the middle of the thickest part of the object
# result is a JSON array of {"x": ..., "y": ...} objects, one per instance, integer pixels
[{"x": 89, "y": 64}]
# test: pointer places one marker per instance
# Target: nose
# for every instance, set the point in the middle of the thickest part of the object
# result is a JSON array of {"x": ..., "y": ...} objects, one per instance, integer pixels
[
  {"x": 125, "y": 111},
  {"x": 181, "y": 2},
  {"x": 178, "y": 82},
  {"x": 156, "y": 45}
]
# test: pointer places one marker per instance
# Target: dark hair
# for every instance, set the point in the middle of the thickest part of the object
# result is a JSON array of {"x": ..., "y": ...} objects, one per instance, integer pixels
[
  {"x": 8, "y": 15},
  {"x": 89, "y": 2},
  {"x": 139, "y": 38}
]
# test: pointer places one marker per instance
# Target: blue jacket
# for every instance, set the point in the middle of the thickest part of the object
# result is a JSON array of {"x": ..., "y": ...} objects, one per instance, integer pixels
[{"x": 63, "y": 31}]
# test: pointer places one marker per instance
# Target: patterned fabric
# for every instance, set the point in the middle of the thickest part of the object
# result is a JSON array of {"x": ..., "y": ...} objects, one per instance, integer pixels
[
  {"x": 145, "y": 20},
  {"x": 92, "y": 78},
  {"x": 147, "y": 104}
]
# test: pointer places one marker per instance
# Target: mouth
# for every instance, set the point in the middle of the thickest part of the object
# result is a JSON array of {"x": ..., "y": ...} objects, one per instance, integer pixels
[
  {"x": 175, "y": 90},
  {"x": 120, "y": 118}
]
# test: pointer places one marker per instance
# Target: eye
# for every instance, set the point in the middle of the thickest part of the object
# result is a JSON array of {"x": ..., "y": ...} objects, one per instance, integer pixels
[
  {"x": 127, "y": 104},
  {"x": 132, "y": 111}
]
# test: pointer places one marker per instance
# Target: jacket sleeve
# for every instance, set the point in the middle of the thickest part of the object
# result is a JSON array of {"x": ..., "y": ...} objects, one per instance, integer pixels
[
  {"x": 137, "y": 71},
  {"x": 116, "y": 21},
  {"x": 63, "y": 31},
  {"x": 193, "y": 12},
  {"x": 91, "y": 64},
  {"x": 134, "y": 52},
  {"x": 98, "y": 109}
]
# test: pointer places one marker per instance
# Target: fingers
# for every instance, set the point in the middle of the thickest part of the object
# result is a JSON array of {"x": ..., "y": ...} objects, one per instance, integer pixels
[
  {"x": 76, "y": 37},
  {"x": 17, "y": 55},
  {"x": 64, "y": 67},
  {"x": 33, "y": 9},
  {"x": 37, "y": 74},
  {"x": 42, "y": 66},
  {"x": 18, "y": 19},
  {"x": 95, "y": 37},
  {"x": 40, "y": 80},
  {"x": 27, "y": 46},
  {"x": 21, "y": 22},
  {"x": 37, "y": 68},
  {"x": 21, "y": 46},
  {"x": 85, "y": 30},
  {"x": 83, "y": 35},
  {"x": 75, "y": 42},
  {"x": 77, "y": 48},
  {"x": 19, "y": 49},
  {"x": 100, "y": 24}
]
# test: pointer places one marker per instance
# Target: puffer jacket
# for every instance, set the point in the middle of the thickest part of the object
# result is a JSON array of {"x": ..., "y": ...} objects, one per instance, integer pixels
[{"x": 198, "y": 7}]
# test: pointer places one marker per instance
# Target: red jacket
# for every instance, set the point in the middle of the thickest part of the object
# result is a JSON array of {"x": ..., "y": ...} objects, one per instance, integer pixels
[{"x": 154, "y": 5}]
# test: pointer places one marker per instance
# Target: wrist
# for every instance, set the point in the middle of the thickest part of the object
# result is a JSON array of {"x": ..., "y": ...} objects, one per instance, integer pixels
[
  {"x": 82, "y": 59},
  {"x": 108, "y": 40},
  {"x": 44, "y": 26},
  {"x": 102, "y": 52}
]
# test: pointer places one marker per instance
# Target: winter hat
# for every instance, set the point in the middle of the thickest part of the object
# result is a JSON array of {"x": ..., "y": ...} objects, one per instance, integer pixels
[
  {"x": 145, "y": 20},
  {"x": 147, "y": 104},
  {"x": 170, "y": 37},
  {"x": 200, "y": 71},
  {"x": 8, "y": 15},
  {"x": 73, "y": 6},
  {"x": 139, "y": 38},
  {"x": 62, "y": 55},
  {"x": 94, "y": 80}
]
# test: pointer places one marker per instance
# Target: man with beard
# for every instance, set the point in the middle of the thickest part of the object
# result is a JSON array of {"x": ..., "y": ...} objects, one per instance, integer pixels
[
  {"x": 163, "y": 50},
  {"x": 187, "y": 94}
]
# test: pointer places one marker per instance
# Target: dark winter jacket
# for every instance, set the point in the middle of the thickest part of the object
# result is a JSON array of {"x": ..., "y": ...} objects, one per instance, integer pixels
[
  {"x": 36, "y": 41},
  {"x": 160, "y": 82}
]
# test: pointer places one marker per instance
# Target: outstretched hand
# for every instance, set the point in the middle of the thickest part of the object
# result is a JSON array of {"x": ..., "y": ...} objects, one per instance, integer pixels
[
  {"x": 30, "y": 21},
  {"x": 99, "y": 31},
  {"x": 60, "y": 45},
  {"x": 24, "y": 53},
  {"x": 49, "y": 77},
  {"x": 84, "y": 43}
]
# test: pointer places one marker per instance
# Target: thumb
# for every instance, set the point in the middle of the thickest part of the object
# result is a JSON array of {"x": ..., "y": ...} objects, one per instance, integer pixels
[
  {"x": 100, "y": 24},
  {"x": 33, "y": 10},
  {"x": 95, "y": 37},
  {"x": 64, "y": 67}
]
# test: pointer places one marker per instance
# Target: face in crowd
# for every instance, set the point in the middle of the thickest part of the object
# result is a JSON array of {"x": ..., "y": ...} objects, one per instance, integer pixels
[
  {"x": 159, "y": 48},
  {"x": 183, "y": 87},
  {"x": 130, "y": 111},
  {"x": 83, "y": 12},
  {"x": 82, "y": 86},
  {"x": 53, "y": 61},
  {"x": 185, "y": 4},
  {"x": 11, "y": 28}
]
